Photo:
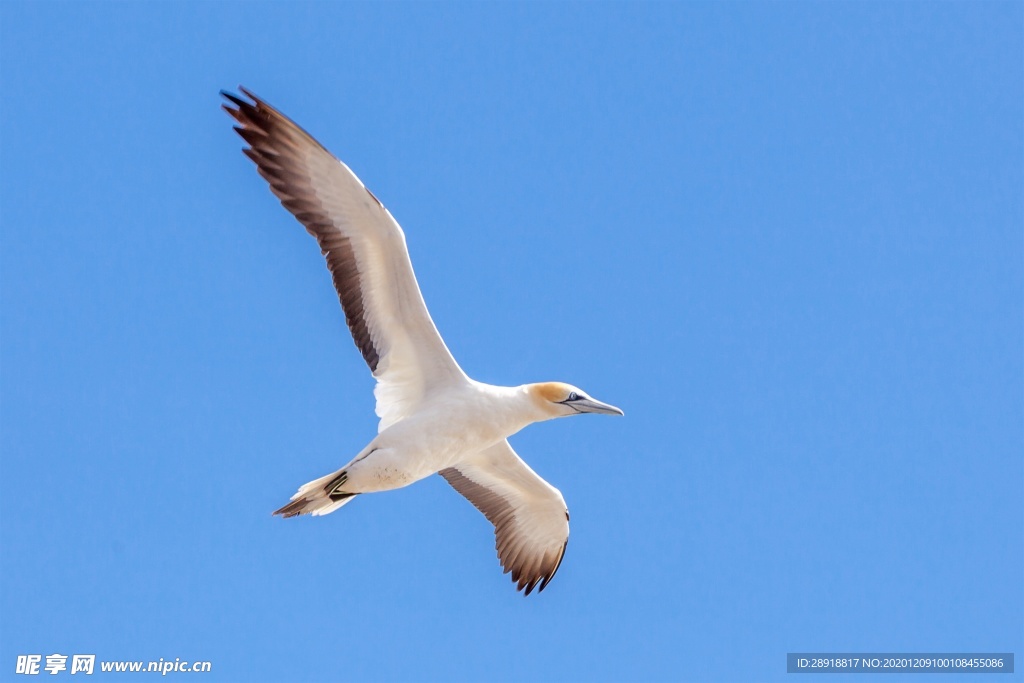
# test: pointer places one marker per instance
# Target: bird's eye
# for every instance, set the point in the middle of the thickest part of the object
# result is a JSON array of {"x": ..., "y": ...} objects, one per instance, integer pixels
[{"x": 573, "y": 396}]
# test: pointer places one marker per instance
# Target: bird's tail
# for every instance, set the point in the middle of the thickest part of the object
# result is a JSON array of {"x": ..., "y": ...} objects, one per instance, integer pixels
[{"x": 318, "y": 497}]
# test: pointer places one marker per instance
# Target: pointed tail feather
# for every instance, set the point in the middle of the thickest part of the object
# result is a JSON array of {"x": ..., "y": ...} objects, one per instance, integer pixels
[{"x": 318, "y": 497}]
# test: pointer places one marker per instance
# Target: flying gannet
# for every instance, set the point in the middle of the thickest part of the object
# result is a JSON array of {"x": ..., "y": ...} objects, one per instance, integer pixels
[{"x": 433, "y": 417}]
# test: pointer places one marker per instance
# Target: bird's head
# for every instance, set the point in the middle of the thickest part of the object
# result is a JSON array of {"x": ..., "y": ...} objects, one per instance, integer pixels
[{"x": 557, "y": 399}]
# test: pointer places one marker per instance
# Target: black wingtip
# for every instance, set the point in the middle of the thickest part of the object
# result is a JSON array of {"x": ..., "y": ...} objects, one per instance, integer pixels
[
  {"x": 234, "y": 99},
  {"x": 238, "y": 100}
]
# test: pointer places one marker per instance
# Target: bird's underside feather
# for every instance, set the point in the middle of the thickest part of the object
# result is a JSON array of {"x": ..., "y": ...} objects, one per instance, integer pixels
[
  {"x": 531, "y": 522},
  {"x": 366, "y": 254}
]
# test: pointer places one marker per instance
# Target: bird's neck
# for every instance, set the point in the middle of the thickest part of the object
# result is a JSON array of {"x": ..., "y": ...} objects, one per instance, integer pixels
[{"x": 514, "y": 407}]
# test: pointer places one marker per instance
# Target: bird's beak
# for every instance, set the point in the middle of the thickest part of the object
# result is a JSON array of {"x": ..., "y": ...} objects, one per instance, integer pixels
[{"x": 589, "y": 405}]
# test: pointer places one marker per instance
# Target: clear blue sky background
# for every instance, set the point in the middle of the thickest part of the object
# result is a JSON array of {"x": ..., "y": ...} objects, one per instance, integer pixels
[{"x": 785, "y": 238}]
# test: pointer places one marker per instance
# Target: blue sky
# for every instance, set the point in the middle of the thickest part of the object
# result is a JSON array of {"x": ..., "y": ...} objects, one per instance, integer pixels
[{"x": 785, "y": 238}]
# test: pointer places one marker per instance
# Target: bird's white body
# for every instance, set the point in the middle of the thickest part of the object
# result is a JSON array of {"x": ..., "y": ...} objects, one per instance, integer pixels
[
  {"x": 462, "y": 419},
  {"x": 433, "y": 417}
]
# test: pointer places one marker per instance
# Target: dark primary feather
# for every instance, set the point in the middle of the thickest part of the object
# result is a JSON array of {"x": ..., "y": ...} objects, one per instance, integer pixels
[
  {"x": 527, "y": 566},
  {"x": 278, "y": 146}
]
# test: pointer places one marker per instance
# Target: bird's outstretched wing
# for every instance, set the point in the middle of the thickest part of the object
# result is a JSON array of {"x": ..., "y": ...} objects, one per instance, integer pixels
[
  {"x": 531, "y": 522},
  {"x": 365, "y": 251}
]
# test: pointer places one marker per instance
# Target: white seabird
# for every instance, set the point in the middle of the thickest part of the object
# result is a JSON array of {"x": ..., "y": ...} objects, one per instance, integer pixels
[{"x": 433, "y": 417}]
